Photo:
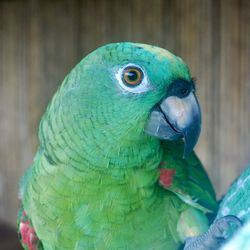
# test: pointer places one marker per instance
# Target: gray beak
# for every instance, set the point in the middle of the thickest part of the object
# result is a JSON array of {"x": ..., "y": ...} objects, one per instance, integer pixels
[{"x": 174, "y": 118}]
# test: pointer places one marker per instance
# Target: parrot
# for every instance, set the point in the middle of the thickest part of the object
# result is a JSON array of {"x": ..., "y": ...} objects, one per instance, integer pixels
[{"x": 115, "y": 166}]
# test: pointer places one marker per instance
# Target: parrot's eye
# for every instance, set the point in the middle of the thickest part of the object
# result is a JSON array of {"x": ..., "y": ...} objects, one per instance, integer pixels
[{"x": 132, "y": 76}]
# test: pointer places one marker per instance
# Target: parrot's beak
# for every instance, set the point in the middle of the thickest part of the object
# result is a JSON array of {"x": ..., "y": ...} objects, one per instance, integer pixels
[{"x": 174, "y": 118}]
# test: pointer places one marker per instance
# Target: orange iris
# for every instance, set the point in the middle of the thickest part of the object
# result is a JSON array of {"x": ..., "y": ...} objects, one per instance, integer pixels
[{"x": 132, "y": 76}]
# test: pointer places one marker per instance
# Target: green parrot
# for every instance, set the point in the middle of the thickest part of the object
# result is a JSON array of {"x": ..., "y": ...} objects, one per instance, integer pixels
[{"x": 115, "y": 167}]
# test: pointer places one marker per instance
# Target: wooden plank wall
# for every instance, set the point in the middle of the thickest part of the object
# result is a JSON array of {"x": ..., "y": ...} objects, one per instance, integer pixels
[{"x": 40, "y": 41}]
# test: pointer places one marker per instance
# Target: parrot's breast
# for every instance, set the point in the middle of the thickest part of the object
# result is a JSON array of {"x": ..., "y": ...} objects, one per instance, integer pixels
[{"x": 108, "y": 209}]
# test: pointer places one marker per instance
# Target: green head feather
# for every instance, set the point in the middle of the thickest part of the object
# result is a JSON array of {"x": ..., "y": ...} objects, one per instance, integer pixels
[{"x": 97, "y": 113}]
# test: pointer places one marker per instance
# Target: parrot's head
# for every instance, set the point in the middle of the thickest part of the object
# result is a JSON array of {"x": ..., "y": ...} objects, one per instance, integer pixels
[{"x": 124, "y": 93}]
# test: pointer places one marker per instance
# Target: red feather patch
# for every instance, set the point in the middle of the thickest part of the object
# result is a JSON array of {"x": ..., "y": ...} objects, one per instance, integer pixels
[
  {"x": 28, "y": 233},
  {"x": 166, "y": 177}
]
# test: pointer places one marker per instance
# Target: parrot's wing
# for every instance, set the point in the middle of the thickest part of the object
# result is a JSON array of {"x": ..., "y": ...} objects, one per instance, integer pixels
[{"x": 186, "y": 178}]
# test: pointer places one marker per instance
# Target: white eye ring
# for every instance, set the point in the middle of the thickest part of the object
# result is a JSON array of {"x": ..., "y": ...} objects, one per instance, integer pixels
[{"x": 143, "y": 85}]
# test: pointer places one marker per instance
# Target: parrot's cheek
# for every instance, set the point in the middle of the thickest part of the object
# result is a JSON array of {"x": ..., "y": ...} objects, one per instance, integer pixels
[{"x": 174, "y": 118}]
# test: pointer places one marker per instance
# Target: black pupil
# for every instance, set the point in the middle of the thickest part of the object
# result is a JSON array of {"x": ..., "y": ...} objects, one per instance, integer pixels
[{"x": 132, "y": 75}]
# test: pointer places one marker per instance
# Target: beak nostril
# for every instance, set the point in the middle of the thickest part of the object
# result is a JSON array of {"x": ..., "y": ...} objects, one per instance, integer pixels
[{"x": 184, "y": 92}]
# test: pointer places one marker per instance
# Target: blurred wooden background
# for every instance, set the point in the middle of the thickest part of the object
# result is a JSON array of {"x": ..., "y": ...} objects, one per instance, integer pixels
[{"x": 40, "y": 41}]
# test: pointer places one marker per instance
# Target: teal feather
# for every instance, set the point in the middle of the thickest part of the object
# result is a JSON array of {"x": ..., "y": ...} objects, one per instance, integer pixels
[{"x": 237, "y": 200}]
